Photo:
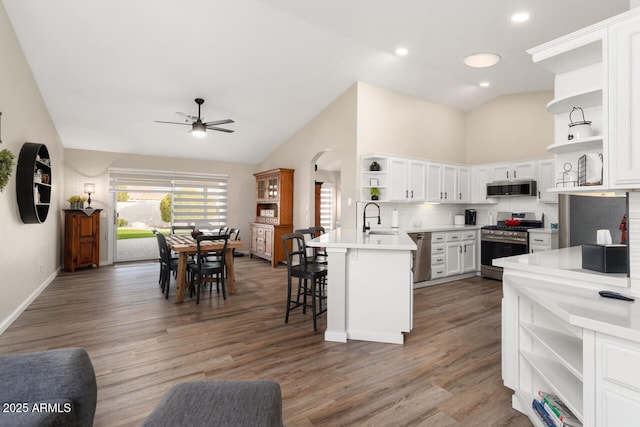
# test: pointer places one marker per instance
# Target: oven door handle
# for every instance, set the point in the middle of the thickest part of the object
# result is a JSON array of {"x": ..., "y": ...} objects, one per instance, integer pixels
[{"x": 503, "y": 240}]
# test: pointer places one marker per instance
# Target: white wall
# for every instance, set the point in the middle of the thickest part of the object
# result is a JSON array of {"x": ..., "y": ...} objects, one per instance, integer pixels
[
  {"x": 510, "y": 127},
  {"x": 333, "y": 129},
  {"x": 29, "y": 253},
  {"x": 91, "y": 166},
  {"x": 393, "y": 123}
]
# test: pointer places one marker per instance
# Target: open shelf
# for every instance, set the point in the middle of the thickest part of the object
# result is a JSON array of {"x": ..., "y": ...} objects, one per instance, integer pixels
[
  {"x": 563, "y": 383},
  {"x": 584, "y": 99},
  {"x": 585, "y": 144},
  {"x": 566, "y": 349}
]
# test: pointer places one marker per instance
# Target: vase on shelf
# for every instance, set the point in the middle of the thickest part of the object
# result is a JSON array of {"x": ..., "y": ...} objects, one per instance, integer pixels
[{"x": 77, "y": 205}]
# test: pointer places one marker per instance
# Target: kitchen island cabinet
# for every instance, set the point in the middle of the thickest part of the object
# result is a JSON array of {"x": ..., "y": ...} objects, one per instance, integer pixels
[
  {"x": 561, "y": 337},
  {"x": 370, "y": 289}
]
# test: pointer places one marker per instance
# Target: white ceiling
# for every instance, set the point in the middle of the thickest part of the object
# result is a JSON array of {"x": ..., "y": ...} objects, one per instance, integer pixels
[{"x": 108, "y": 68}]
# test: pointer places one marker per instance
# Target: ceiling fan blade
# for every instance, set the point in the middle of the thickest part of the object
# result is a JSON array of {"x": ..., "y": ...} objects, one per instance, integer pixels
[
  {"x": 219, "y": 122},
  {"x": 220, "y": 129},
  {"x": 173, "y": 123},
  {"x": 187, "y": 117}
]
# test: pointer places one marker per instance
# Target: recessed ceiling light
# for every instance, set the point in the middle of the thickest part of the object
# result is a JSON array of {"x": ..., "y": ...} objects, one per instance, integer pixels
[
  {"x": 402, "y": 51},
  {"x": 484, "y": 84},
  {"x": 520, "y": 17},
  {"x": 482, "y": 60}
]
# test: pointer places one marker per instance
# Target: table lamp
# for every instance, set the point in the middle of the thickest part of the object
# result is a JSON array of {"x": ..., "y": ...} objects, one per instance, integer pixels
[{"x": 89, "y": 188}]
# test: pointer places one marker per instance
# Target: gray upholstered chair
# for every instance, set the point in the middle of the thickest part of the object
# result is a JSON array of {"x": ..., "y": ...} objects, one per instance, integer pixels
[
  {"x": 237, "y": 403},
  {"x": 57, "y": 387}
]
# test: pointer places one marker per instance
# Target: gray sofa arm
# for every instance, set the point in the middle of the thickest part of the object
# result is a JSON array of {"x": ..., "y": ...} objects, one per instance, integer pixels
[
  {"x": 48, "y": 380},
  {"x": 237, "y": 403}
]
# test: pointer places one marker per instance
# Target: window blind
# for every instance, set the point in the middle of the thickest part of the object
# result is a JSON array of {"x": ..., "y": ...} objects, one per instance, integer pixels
[
  {"x": 326, "y": 206},
  {"x": 197, "y": 199}
]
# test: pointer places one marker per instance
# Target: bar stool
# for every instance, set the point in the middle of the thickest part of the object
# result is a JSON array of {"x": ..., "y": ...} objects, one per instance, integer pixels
[{"x": 306, "y": 271}]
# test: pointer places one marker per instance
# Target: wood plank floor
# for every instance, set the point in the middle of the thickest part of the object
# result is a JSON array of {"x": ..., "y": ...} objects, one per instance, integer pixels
[{"x": 446, "y": 374}]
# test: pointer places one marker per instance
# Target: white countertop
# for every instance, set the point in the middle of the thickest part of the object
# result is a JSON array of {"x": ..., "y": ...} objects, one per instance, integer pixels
[
  {"x": 562, "y": 263},
  {"x": 584, "y": 307},
  {"x": 435, "y": 228},
  {"x": 355, "y": 239}
]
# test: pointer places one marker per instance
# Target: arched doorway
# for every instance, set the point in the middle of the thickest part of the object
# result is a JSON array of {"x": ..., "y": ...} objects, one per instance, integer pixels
[{"x": 325, "y": 189}]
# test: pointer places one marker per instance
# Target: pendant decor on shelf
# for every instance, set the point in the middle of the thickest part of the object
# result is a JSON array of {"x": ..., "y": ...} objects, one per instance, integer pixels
[{"x": 6, "y": 165}]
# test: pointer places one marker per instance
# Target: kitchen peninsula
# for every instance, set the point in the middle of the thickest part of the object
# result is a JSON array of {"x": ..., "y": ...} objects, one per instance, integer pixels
[
  {"x": 560, "y": 336},
  {"x": 370, "y": 289}
]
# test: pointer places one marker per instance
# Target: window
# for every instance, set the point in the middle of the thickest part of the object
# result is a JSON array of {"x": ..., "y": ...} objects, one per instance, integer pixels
[
  {"x": 326, "y": 206},
  {"x": 195, "y": 199}
]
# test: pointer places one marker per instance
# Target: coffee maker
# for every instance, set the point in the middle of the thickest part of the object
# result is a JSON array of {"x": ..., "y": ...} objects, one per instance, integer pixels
[{"x": 470, "y": 216}]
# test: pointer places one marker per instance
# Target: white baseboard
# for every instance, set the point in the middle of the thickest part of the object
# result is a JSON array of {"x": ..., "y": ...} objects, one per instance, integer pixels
[{"x": 4, "y": 325}]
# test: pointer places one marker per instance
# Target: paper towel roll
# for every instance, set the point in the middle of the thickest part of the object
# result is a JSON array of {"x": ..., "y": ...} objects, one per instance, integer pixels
[
  {"x": 603, "y": 237},
  {"x": 394, "y": 218}
]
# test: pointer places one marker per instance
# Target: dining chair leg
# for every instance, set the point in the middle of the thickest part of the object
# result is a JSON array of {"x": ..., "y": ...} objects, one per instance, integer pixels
[
  {"x": 221, "y": 282},
  {"x": 289, "y": 300},
  {"x": 313, "y": 304}
]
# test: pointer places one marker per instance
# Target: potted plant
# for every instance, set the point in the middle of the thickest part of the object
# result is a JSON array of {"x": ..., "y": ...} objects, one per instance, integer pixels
[
  {"x": 77, "y": 202},
  {"x": 6, "y": 163},
  {"x": 375, "y": 193}
]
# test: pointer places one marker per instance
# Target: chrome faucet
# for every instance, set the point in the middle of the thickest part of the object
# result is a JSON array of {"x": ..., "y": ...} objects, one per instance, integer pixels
[{"x": 365, "y": 227}]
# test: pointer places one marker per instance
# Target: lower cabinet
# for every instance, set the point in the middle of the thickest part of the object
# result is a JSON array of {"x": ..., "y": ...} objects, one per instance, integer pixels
[
  {"x": 453, "y": 253},
  {"x": 594, "y": 373},
  {"x": 542, "y": 240},
  {"x": 81, "y": 239},
  {"x": 266, "y": 241}
]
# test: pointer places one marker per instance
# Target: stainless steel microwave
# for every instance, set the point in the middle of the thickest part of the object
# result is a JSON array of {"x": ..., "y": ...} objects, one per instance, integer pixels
[{"x": 512, "y": 188}]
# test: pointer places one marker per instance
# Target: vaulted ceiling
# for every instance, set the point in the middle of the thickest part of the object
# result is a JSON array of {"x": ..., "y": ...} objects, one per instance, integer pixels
[{"x": 107, "y": 69}]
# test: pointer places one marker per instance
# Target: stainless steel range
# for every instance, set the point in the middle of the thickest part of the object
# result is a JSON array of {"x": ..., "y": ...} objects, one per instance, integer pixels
[{"x": 508, "y": 238}]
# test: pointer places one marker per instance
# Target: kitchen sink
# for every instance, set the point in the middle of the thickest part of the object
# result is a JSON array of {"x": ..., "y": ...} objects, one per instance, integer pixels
[{"x": 386, "y": 232}]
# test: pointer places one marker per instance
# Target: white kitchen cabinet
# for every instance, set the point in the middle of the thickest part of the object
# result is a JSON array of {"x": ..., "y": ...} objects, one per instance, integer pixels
[
  {"x": 546, "y": 177},
  {"x": 448, "y": 183},
  {"x": 542, "y": 239},
  {"x": 480, "y": 177},
  {"x": 434, "y": 182},
  {"x": 469, "y": 256},
  {"x": 461, "y": 254},
  {"x": 617, "y": 386},
  {"x": 464, "y": 184},
  {"x": 453, "y": 258},
  {"x": 438, "y": 256},
  {"x": 624, "y": 102},
  {"x": 407, "y": 180},
  {"x": 513, "y": 171}
]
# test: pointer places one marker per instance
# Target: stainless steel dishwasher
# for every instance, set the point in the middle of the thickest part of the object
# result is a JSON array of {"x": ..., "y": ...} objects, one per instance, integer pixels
[{"x": 421, "y": 256}]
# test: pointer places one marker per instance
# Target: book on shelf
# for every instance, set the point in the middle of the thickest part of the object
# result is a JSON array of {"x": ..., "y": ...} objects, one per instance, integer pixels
[
  {"x": 560, "y": 410},
  {"x": 544, "y": 416}
]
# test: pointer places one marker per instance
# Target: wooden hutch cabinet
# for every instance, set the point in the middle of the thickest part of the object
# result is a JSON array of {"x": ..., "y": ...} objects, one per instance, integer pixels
[
  {"x": 274, "y": 214},
  {"x": 81, "y": 239}
]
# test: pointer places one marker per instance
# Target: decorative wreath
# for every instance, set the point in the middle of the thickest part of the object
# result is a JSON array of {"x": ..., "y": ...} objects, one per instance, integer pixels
[{"x": 6, "y": 165}]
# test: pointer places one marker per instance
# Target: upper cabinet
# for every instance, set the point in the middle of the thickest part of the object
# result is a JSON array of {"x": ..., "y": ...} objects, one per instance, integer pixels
[
  {"x": 593, "y": 70},
  {"x": 514, "y": 171},
  {"x": 406, "y": 180},
  {"x": 624, "y": 102}
]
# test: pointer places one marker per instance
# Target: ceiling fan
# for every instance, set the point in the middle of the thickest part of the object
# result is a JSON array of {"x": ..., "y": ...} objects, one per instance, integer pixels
[{"x": 198, "y": 127}]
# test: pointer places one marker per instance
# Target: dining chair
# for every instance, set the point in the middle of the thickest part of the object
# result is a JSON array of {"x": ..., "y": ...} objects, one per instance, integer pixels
[
  {"x": 314, "y": 254},
  {"x": 167, "y": 264},
  {"x": 306, "y": 271},
  {"x": 204, "y": 268}
]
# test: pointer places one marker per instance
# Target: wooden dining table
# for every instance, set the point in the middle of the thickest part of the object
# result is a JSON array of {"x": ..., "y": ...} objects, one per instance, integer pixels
[{"x": 184, "y": 245}]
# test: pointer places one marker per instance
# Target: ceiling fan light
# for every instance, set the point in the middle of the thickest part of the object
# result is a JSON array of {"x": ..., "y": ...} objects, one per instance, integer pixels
[{"x": 198, "y": 129}]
